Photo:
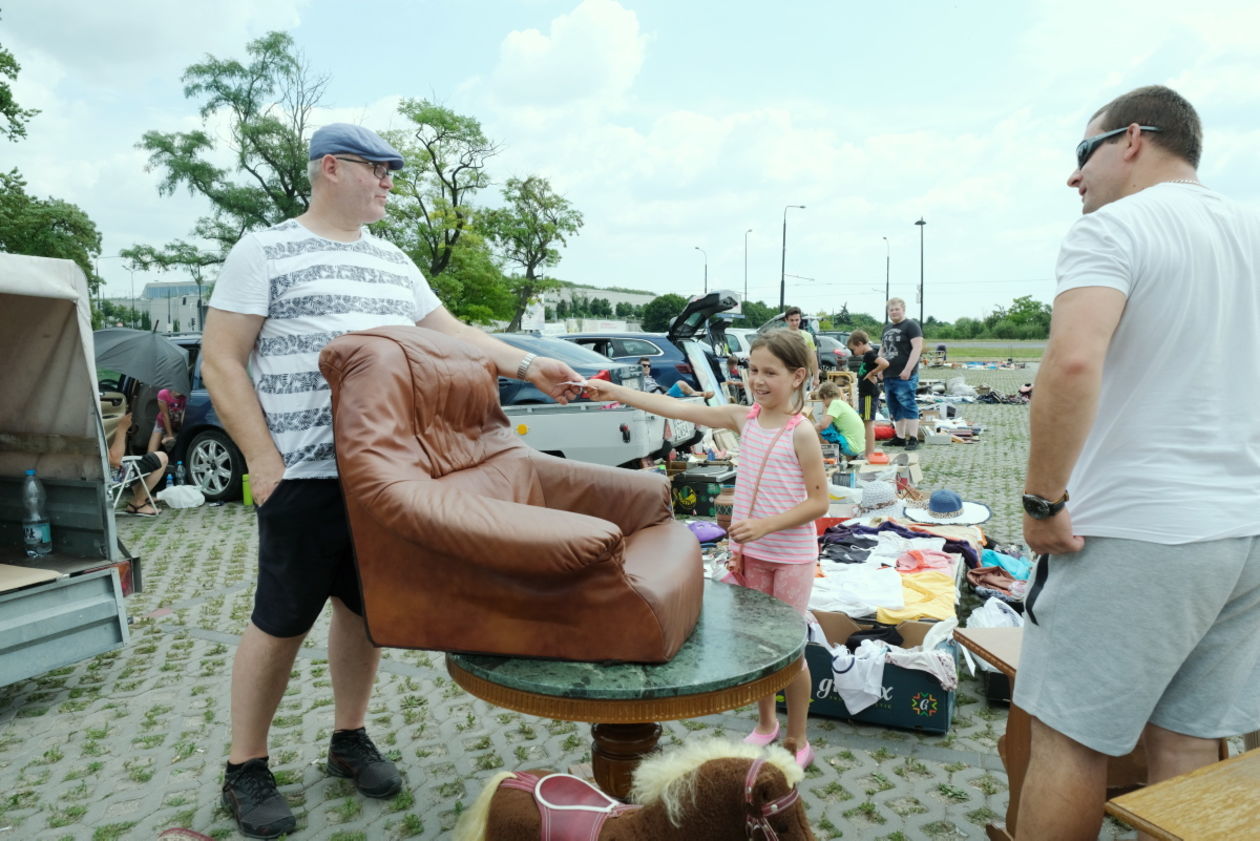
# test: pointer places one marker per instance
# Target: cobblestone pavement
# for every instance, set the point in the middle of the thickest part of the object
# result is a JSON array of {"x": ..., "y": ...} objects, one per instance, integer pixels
[{"x": 132, "y": 742}]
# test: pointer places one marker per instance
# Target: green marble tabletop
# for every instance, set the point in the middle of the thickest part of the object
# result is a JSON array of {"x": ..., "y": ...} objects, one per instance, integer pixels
[{"x": 742, "y": 635}]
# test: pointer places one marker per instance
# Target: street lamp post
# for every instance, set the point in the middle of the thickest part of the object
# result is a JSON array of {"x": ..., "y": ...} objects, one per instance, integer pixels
[
  {"x": 783, "y": 257},
  {"x": 706, "y": 268},
  {"x": 887, "y": 271},
  {"x": 921, "y": 225},
  {"x": 746, "y": 233}
]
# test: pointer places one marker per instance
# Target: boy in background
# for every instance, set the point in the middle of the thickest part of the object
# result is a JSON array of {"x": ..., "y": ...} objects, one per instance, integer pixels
[{"x": 869, "y": 375}]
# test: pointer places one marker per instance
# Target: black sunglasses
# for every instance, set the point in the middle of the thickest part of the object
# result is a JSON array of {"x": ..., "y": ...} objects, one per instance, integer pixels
[{"x": 1085, "y": 149}]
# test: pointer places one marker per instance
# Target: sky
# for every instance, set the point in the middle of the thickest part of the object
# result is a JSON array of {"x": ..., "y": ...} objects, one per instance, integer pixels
[{"x": 675, "y": 126}]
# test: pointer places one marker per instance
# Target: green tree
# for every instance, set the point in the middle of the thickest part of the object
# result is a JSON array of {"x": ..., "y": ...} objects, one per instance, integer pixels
[
  {"x": 528, "y": 231},
  {"x": 472, "y": 286},
  {"x": 46, "y": 227},
  {"x": 660, "y": 312},
  {"x": 268, "y": 101},
  {"x": 757, "y": 313},
  {"x": 446, "y": 156},
  {"x": 15, "y": 116}
]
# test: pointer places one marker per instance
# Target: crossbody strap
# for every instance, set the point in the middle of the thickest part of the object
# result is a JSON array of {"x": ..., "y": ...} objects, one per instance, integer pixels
[{"x": 752, "y": 500}]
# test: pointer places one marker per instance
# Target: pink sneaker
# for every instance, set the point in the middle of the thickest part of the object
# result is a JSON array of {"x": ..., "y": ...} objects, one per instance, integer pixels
[
  {"x": 762, "y": 739},
  {"x": 805, "y": 756}
]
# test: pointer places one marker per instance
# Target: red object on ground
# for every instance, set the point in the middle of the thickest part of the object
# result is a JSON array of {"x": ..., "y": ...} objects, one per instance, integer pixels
[
  {"x": 883, "y": 431},
  {"x": 824, "y": 523}
]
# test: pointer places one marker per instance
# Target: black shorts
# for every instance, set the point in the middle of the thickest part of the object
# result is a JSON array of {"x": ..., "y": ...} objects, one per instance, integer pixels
[
  {"x": 868, "y": 406},
  {"x": 147, "y": 464},
  {"x": 305, "y": 555}
]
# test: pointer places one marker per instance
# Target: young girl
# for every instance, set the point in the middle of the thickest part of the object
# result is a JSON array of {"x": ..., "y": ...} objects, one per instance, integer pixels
[
  {"x": 840, "y": 423},
  {"x": 169, "y": 418},
  {"x": 780, "y": 490}
]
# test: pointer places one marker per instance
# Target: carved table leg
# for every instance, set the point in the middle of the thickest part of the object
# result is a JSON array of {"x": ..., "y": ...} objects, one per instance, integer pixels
[{"x": 617, "y": 751}]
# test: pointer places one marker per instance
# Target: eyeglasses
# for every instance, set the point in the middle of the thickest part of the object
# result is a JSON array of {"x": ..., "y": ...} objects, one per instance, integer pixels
[
  {"x": 1085, "y": 149},
  {"x": 380, "y": 170},
  {"x": 645, "y": 364}
]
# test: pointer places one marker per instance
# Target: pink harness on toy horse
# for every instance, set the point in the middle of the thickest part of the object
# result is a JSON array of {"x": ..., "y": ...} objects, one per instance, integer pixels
[
  {"x": 571, "y": 809},
  {"x": 757, "y": 818}
]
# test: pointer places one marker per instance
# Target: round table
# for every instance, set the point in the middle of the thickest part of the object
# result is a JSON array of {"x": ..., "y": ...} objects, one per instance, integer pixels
[{"x": 747, "y": 645}]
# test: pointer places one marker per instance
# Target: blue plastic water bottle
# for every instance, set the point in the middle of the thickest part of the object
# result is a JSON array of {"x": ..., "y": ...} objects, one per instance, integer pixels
[{"x": 36, "y": 530}]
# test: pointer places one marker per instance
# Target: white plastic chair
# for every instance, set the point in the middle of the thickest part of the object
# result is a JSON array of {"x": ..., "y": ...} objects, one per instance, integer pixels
[{"x": 131, "y": 473}]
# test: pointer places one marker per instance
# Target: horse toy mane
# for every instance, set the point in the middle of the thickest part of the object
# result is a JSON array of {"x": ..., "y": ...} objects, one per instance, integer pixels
[{"x": 709, "y": 790}]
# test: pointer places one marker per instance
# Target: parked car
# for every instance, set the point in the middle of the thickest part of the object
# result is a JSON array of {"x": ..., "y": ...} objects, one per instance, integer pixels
[
  {"x": 583, "y": 360},
  {"x": 689, "y": 351},
  {"x": 832, "y": 355},
  {"x": 214, "y": 463}
]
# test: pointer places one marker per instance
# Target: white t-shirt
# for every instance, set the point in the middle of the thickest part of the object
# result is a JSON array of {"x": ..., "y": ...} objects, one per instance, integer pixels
[
  {"x": 1174, "y": 454},
  {"x": 312, "y": 290}
]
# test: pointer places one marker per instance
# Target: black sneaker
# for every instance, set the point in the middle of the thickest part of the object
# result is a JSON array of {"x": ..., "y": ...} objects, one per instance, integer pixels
[
  {"x": 912, "y": 443},
  {"x": 352, "y": 754},
  {"x": 896, "y": 441},
  {"x": 251, "y": 796}
]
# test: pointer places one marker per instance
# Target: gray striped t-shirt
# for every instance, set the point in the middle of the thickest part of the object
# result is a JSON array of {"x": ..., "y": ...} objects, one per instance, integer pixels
[{"x": 311, "y": 290}]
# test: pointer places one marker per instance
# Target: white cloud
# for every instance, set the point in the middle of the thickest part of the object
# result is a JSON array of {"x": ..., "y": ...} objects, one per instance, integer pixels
[{"x": 592, "y": 55}]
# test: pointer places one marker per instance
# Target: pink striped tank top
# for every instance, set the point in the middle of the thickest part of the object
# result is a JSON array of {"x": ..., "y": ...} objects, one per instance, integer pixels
[{"x": 782, "y": 488}]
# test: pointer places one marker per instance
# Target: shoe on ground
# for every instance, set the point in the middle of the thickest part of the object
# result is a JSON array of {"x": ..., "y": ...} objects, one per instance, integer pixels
[
  {"x": 251, "y": 797},
  {"x": 762, "y": 739},
  {"x": 805, "y": 756},
  {"x": 912, "y": 443},
  {"x": 352, "y": 754},
  {"x": 895, "y": 441}
]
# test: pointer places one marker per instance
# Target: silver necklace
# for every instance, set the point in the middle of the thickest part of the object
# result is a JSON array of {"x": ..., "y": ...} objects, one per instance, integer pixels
[{"x": 1184, "y": 181}]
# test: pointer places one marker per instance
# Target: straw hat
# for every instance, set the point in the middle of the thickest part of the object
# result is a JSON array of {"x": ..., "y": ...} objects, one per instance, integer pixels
[{"x": 947, "y": 508}]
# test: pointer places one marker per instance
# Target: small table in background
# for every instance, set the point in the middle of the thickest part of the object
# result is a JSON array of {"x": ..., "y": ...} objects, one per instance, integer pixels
[{"x": 747, "y": 645}]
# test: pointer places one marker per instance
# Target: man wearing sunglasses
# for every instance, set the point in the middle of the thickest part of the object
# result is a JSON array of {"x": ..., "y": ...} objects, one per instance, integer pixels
[
  {"x": 283, "y": 293},
  {"x": 1144, "y": 614}
]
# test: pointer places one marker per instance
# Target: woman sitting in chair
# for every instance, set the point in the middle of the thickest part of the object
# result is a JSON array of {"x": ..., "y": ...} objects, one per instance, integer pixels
[{"x": 152, "y": 466}]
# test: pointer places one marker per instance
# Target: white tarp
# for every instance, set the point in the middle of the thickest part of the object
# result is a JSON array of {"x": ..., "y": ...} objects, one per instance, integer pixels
[{"x": 49, "y": 405}]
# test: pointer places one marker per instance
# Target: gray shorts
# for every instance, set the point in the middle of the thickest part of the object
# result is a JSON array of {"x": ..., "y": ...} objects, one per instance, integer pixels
[{"x": 1128, "y": 632}]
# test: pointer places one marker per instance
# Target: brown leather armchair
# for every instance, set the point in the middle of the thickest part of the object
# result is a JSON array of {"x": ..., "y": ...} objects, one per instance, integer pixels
[{"x": 467, "y": 539}]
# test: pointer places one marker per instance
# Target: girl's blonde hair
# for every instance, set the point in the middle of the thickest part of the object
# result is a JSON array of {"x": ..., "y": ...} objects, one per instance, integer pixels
[
  {"x": 827, "y": 391},
  {"x": 788, "y": 347}
]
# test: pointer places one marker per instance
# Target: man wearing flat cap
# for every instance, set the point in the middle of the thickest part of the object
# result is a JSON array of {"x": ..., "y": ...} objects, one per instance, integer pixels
[{"x": 284, "y": 293}]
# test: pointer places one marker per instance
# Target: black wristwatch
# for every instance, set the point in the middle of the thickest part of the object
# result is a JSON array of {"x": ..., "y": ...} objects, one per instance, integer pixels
[{"x": 1040, "y": 508}]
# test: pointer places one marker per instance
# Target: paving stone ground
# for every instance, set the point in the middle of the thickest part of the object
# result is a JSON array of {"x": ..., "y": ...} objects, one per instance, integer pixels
[{"x": 132, "y": 742}]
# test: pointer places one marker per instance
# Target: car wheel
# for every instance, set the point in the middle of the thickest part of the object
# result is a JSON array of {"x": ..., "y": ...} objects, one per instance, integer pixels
[{"x": 215, "y": 465}]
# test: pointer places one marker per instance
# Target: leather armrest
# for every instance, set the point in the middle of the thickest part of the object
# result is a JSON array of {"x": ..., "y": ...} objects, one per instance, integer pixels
[
  {"x": 507, "y": 537},
  {"x": 632, "y": 499}
]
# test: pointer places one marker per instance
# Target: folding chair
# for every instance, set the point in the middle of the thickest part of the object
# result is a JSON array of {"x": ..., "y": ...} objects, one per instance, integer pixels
[{"x": 131, "y": 473}]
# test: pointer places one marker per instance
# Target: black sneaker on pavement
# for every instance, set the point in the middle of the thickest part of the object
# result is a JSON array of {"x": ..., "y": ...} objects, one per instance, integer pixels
[
  {"x": 895, "y": 441},
  {"x": 912, "y": 443},
  {"x": 251, "y": 796},
  {"x": 352, "y": 754}
]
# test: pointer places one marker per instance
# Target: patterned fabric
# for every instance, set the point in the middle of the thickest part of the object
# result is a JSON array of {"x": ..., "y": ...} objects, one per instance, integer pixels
[
  {"x": 311, "y": 290},
  {"x": 782, "y": 488}
]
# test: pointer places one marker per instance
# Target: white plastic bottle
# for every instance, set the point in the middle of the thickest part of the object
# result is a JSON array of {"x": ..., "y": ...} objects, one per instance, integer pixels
[
  {"x": 36, "y": 530},
  {"x": 181, "y": 475}
]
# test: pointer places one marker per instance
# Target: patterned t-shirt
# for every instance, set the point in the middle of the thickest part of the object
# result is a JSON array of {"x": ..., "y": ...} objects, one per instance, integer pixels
[{"x": 312, "y": 290}]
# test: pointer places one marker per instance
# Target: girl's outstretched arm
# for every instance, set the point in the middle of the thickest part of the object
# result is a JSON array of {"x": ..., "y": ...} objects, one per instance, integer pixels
[{"x": 724, "y": 417}]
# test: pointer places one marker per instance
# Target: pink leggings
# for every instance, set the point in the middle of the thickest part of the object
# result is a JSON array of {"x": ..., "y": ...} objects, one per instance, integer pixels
[{"x": 789, "y": 583}]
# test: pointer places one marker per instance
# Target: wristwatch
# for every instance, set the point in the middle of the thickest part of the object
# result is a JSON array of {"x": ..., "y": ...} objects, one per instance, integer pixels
[{"x": 1040, "y": 508}]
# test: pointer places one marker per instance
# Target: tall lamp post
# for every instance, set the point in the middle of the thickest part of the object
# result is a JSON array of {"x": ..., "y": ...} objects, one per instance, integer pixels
[
  {"x": 746, "y": 233},
  {"x": 783, "y": 256},
  {"x": 706, "y": 268},
  {"x": 921, "y": 225},
  {"x": 887, "y": 271}
]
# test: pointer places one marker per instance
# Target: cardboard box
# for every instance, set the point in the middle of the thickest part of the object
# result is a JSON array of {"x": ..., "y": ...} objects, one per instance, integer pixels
[
  {"x": 695, "y": 490},
  {"x": 912, "y": 698},
  {"x": 864, "y": 472}
]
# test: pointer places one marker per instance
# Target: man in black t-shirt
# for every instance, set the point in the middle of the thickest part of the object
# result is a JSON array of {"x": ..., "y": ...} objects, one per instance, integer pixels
[{"x": 902, "y": 345}]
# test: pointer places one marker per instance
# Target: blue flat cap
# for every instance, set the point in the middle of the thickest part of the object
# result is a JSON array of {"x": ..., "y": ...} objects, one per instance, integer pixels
[{"x": 343, "y": 138}]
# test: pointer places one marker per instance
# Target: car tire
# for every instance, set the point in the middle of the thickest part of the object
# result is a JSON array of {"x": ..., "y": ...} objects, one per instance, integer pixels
[{"x": 215, "y": 466}]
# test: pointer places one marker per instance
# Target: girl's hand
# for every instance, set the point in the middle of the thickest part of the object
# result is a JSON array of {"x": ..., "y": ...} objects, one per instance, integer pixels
[
  {"x": 746, "y": 531},
  {"x": 600, "y": 390}
]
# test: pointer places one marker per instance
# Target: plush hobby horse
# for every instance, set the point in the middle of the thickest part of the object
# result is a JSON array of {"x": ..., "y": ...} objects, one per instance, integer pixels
[{"x": 713, "y": 790}]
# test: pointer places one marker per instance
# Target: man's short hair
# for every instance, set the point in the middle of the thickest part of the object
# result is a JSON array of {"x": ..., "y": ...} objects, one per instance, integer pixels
[
  {"x": 892, "y": 301},
  {"x": 1155, "y": 105},
  {"x": 791, "y": 311}
]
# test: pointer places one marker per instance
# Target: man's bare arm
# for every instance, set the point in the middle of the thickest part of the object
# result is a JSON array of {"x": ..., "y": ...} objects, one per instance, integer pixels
[
  {"x": 225, "y": 347},
  {"x": 1066, "y": 402},
  {"x": 916, "y": 350}
]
